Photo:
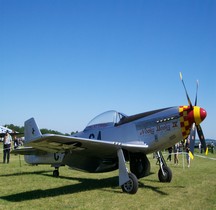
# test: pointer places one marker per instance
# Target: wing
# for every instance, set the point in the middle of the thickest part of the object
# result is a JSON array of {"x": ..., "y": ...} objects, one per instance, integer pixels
[
  {"x": 58, "y": 143},
  {"x": 52, "y": 143}
]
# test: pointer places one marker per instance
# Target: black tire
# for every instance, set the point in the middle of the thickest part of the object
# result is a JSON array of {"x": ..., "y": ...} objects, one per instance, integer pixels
[
  {"x": 56, "y": 173},
  {"x": 168, "y": 174},
  {"x": 139, "y": 165},
  {"x": 131, "y": 186}
]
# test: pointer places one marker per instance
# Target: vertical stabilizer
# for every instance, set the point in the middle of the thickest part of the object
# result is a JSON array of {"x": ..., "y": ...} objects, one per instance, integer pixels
[{"x": 31, "y": 130}]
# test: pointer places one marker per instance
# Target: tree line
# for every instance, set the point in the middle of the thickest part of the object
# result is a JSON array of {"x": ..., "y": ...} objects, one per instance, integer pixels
[{"x": 20, "y": 129}]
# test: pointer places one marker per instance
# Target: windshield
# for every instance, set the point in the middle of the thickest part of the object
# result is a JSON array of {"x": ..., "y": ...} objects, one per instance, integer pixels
[{"x": 107, "y": 118}]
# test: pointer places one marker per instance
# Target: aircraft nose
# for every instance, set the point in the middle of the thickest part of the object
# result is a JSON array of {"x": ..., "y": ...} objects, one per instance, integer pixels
[
  {"x": 189, "y": 116},
  {"x": 199, "y": 114},
  {"x": 203, "y": 114}
]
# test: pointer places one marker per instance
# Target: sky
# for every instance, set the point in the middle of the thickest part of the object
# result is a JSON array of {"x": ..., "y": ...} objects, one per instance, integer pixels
[{"x": 65, "y": 61}]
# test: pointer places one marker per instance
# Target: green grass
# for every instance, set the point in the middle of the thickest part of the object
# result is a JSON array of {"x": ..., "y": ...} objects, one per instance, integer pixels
[{"x": 33, "y": 187}]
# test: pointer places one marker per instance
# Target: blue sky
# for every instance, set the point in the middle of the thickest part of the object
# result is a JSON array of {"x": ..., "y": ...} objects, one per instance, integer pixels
[{"x": 66, "y": 61}]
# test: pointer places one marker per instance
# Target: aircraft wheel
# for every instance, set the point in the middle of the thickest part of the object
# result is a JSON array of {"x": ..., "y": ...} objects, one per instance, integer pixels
[
  {"x": 167, "y": 177},
  {"x": 139, "y": 165},
  {"x": 56, "y": 173},
  {"x": 131, "y": 186}
]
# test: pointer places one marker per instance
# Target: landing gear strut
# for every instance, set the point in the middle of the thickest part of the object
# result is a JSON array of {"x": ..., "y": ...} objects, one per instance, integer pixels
[
  {"x": 164, "y": 173},
  {"x": 127, "y": 181}
]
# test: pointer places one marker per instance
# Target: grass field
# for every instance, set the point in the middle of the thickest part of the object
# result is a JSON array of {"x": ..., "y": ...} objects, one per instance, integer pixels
[{"x": 33, "y": 187}]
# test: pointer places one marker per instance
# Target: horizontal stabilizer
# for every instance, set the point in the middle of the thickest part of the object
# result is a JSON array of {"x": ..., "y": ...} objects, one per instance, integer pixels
[{"x": 27, "y": 151}]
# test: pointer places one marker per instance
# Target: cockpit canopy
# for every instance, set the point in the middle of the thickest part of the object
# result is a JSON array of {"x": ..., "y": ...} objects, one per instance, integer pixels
[{"x": 109, "y": 118}]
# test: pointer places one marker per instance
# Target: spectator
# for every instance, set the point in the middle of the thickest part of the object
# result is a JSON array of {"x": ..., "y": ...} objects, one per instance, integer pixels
[
  {"x": 7, "y": 147},
  {"x": 187, "y": 149},
  {"x": 16, "y": 142},
  {"x": 212, "y": 147},
  {"x": 170, "y": 153},
  {"x": 176, "y": 150}
]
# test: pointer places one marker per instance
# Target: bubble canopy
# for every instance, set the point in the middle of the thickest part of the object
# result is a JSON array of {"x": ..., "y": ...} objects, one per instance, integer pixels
[{"x": 106, "y": 118}]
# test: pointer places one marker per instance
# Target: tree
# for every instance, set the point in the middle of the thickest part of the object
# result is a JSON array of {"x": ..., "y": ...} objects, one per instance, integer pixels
[{"x": 43, "y": 130}]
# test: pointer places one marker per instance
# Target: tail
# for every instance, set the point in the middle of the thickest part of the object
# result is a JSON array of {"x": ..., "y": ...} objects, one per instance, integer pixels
[{"x": 31, "y": 130}]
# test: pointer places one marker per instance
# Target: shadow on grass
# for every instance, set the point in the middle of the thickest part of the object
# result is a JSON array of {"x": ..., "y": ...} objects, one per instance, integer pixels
[
  {"x": 155, "y": 189},
  {"x": 85, "y": 184},
  {"x": 26, "y": 173}
]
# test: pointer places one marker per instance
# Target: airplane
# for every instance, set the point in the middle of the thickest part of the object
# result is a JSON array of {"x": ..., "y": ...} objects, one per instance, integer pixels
[
  {"x": 3, "y": 131},
  {"x": 112, "y": 138}
]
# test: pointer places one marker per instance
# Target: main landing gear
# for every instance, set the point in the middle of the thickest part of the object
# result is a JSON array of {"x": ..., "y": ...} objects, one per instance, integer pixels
[
  {"x": 127, "y": 181},
  {"x": 131, "y": 186},
  {"x": 164, "y": 173}
]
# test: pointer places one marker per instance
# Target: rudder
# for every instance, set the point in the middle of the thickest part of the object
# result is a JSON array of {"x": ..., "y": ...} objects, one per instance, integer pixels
[{"x": 31, "y": 130}]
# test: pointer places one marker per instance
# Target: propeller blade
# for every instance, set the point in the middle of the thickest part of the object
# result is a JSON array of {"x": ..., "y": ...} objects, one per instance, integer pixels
[
  {"x": 202, "y": 138},
  {"x": 189, "y": 101},
  {"x": 196, "y": 93},
  {"x": 192, "y": 138}
]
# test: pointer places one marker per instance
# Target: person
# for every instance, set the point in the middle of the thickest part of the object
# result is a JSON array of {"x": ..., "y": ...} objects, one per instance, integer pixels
[
  {"x": 187, "y": 149},
  {"x": 200, "y": 147},
  {"x": 16, "y": 142},
  {"x": 212, "y": 147},
  {"x": 7, "y": 147},
  {"x": 176, "y": 150},
  {"x": 170, "y": 153}
]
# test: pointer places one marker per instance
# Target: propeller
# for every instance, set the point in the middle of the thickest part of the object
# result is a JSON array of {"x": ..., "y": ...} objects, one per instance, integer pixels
[
  {"x": 199, "y": 115},
  {"x": 188, "y": 98},
  {"x": 196, "y": 93},
  {"x": 202, "y": 138}
]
